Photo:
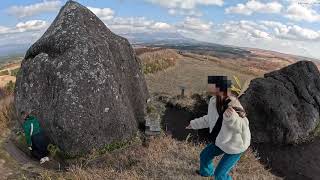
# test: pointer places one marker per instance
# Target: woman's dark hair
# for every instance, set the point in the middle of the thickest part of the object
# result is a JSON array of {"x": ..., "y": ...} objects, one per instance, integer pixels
[{"x": 220, "y": 101}]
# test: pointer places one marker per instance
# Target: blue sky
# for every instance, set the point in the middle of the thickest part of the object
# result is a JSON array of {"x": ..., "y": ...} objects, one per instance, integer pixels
[{"x": 289, "y": 26}]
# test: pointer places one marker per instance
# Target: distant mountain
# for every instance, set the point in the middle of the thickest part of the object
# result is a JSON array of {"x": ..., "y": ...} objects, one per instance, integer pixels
[
  {"x": 13, "y": 50},
  {"x": 171, "y": 40},
  {"x": 177, "y": 41},
  {"x": 158, "y": 38},
  {"x": 279, "y": 54}
]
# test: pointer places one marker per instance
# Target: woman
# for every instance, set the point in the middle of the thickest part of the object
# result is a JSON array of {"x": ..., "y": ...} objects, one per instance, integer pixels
[
  {"x": 228, "y": 127},
  {"x": 36, "y": 140}
]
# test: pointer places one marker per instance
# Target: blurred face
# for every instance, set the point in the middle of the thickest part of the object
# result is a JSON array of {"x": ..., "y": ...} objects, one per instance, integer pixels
[
  {"x": 213, "y": 90},
  {"x": 24, "y": 116}
]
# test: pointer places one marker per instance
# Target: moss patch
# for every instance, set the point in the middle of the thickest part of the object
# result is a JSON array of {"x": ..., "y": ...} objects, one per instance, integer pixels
[
  {"x": 113, "y": 146},
  {"x": 316, "y": 131}
]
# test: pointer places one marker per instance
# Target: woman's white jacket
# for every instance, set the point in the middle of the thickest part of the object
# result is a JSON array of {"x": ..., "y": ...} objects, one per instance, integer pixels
[{"x": 234, "y": 136}]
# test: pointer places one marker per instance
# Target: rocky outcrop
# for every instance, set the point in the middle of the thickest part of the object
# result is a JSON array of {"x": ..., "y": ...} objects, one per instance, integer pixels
[
  {"x": 83, "y": 82},
  {"x": 283, "y": 107}
]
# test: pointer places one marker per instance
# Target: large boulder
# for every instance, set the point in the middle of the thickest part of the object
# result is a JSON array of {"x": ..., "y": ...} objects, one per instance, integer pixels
[
  {"x": 83, "y": 82},
  {"x": 284, "y": 106}
]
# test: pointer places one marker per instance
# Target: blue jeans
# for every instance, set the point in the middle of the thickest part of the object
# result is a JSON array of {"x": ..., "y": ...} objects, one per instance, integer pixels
[{"x": 225, "y": 165}]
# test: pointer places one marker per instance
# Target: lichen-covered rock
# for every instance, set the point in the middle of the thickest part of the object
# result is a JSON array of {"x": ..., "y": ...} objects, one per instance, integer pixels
[
  {"x": 284, "y": 106},
  {"x": 83, "y": 82}
]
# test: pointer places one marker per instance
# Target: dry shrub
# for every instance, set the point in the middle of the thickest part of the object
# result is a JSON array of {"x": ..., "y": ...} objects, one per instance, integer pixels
[
  {"x": 142, "y": 50},
  {"x": 7, "y": 113},
  {"x": 158, "y": 60},
  {"x": 5, "y": 72}
]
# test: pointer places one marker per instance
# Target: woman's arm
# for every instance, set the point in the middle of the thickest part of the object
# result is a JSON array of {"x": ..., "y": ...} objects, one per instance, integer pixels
[
  {"x": 203, "y": 122},
  {"x": 233, "y": 121},
  {"x": 200, "y": 123},
  {"x": 28, "y": 130}
]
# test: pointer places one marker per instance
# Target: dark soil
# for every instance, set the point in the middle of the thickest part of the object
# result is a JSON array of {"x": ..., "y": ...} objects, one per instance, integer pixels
[{"x": 176, "y": 120}]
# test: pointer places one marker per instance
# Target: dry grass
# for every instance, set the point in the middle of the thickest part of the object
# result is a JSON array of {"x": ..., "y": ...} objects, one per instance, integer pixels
[
  {"x": 155, "y": 61},
  {"x": 4, "y": 80},
  {"x": 7, "y": 113},
  {"x": 164, "y": 158}
]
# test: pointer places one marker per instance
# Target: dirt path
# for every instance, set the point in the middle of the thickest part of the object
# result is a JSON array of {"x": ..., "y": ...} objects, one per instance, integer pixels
[
  {"x": 17, "y": 154},
  {"x": 5, "y": 172},
  {"x": 14, "y": 163},
  {"x": 190, "y": 73}
]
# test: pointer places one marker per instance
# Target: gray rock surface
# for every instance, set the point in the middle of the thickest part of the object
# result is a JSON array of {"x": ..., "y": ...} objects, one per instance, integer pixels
[
  {"x": 283, "y": 107},
  {"x": 83, "y": 82}
]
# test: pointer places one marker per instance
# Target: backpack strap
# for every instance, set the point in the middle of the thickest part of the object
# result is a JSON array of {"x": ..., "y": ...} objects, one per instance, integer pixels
[{"x": 217, "y": 127}]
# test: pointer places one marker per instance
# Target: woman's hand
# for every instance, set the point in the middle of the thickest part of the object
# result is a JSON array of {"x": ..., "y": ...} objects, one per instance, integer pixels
[
  {"x": 189, "y": 127},
  {"x": 229, "y": 111}
]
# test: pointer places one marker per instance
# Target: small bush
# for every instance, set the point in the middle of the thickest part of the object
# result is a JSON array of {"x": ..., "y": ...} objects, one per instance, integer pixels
[
  {"x": 158, "y": 60},
  {"x": 21, "y": 139},
  {"x": 15, "y": 72},
  {"x": 7, "y": 113},
  {"x": 316, "y": 131},
  {"x": 9, "y": 88},
  {"x": 5, "y": 72},
  {"x": 150, "y": 109},
  {"x": 236, "y": 89},
  {"x": 53, "y": 150}
]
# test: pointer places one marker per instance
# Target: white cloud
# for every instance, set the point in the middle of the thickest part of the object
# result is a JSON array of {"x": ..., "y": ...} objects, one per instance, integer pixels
[
  {"x": 33, "y": 9},
  {"x": 102, "y": 13},
  {"x": 262, "y": 35},
  {"x": 183, "y": 12},
  {"x": 4, "y": 29},
  {"x": 298, "y": 12},
  {"x": 28, "y": 26},
  {"x": 253, "y": 6},
  {"x": 23, "y": 32},
  {"x": 191, "y": 24},
  {"x": 32, "y": 25},
  {"x": 137, "y": 24},
  {"x": 161, "y": 26},
  {"x": 132, "y": 21},
  {"x": 246, "y": 29},
  {"x": 186, "y": 4},
  {"x": 186, "y": 7},
  {"x": 292, "y": 32},
  {"x": 307, "y": 3}
]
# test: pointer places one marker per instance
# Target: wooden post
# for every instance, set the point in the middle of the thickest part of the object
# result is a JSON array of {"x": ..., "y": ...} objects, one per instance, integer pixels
[{"x": 182, "y": 90}]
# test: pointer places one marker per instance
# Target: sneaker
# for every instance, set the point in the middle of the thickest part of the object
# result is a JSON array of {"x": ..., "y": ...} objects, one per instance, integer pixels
[
  {"x": 198, "y": 173},
  {"x": 44, "y": 159}
]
